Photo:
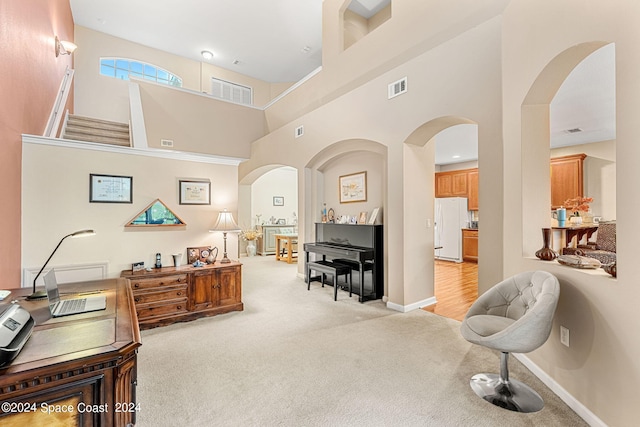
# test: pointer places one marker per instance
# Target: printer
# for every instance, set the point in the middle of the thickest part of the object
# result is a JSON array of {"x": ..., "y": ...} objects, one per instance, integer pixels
[{"x": 16, "y": 325}]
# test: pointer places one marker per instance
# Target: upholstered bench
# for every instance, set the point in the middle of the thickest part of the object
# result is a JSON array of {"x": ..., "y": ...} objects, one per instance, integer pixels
[{"x": 334, "y": 269}]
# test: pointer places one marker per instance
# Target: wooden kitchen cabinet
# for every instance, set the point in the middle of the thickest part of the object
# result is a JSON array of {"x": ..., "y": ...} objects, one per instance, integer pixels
[
  {"x": 175, "y": 294},
  {"x": 566, "y": 178},
  {"x": 451, "y": 184},
  {"x": 470, "y": 245},
  {"x": 472, "y": 195},
  {"x": 459, "y": 183}
]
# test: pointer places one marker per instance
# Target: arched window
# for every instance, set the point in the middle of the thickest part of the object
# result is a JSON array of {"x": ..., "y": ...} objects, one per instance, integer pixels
[{"x": 123, "y": 68}]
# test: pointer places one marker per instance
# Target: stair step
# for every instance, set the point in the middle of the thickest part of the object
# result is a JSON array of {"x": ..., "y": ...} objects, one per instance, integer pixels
[
  {"x": 90, "y": 121},
  {"x": 125, "y": 142},
  {"x": 88, "y": 129},
  {"x": 119, "y": 133}
]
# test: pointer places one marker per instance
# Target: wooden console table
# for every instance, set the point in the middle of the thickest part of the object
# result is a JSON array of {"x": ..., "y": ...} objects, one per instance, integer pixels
[
  {"x": 76, "y": 370},
  {"x": 176, "y": 294},
  {"x": 568, "y": 233}
]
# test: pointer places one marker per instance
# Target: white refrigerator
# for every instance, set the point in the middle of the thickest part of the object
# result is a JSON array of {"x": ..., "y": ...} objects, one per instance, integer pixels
[{"x": 451, "y": 216}]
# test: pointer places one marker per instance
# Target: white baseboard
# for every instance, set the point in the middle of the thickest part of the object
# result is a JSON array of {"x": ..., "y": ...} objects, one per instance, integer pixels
[
  {"x": 411, "y": 307},
  {"x": 584, "y": 412}
]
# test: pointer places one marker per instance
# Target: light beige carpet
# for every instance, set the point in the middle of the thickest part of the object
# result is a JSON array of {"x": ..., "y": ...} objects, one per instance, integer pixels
[{"x": 297, "y": 358}]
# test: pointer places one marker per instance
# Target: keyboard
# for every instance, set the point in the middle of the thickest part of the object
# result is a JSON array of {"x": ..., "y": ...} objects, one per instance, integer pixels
[{"x": 72, "y": 306}]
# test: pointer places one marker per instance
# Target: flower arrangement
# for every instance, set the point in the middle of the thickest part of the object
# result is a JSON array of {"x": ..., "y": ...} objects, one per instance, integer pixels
[
  {"x": 250, "y": 234},
  {"x": 577, "y": 204}
]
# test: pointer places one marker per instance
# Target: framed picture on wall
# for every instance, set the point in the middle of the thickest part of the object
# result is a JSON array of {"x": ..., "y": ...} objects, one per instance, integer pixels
[
  {"x": 353, "y": 188},
  {"x": 195, "y": 192},
  {"x": 110, "y": 189},
  {"x": 278, "y": 201}
]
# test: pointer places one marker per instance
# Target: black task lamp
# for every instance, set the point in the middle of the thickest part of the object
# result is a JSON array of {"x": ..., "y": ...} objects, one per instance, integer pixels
[
  {"x": 225, "y": 224},
  {"x": 43, "y": 293}
]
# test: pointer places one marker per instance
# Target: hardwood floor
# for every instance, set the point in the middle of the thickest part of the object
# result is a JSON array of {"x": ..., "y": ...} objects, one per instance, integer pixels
[{"x": 456, "y": 288}]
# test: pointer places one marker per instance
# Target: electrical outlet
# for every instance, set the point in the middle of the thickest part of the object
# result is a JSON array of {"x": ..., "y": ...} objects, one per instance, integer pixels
[{"x": 564, "y": 336}]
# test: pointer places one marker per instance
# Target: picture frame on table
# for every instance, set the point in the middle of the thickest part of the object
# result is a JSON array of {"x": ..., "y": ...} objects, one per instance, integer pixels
[
  {"x": 374, "y": 216},
  {"x": 194, "y": 192},
  {"x": 353, "y": 187},
  {"x": 362, "y": 218},
  {"x": 110, "y": 188}
]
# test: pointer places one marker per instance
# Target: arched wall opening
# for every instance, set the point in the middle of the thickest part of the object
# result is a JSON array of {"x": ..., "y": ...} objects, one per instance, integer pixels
[
  {"x": 419, "y": 215},
  {"x": 268, "y": 195},
  {"x": 536, "y": 143},
  {"x": 321, "y": 190}
]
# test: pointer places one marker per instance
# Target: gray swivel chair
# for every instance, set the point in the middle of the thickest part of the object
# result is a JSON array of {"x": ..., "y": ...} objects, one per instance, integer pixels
[{"x": 515, "y": 315}]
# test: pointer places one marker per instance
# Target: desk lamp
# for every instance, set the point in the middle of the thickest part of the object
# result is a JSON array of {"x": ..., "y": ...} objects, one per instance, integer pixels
[
  {"x": 43, "y": 293},
  {"x": 225, "y": 224}
]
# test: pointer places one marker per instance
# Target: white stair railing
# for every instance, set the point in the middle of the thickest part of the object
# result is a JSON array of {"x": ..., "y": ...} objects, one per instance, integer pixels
[{"x": 61, "y": 100}]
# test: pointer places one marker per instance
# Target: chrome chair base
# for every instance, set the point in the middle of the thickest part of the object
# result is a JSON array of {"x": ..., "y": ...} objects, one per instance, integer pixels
[{"x": 512, "y": 395}]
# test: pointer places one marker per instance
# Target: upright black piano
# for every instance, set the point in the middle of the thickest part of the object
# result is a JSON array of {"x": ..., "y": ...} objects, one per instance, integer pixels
[{"x": 360, "y": 245}]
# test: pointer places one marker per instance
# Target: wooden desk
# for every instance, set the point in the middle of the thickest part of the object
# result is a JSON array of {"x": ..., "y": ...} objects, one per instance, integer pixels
[
  {"x": 568, "y": 233},
  {"x": 289, "y": 242},
  {"x": 80, "y": 368}
]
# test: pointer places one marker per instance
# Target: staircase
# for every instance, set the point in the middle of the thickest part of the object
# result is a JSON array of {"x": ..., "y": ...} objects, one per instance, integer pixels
[{"x": 94, "y": 130}]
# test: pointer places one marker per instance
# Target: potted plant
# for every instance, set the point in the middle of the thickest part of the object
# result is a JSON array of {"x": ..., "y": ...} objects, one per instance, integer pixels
[{"x": 577, "y": 205}]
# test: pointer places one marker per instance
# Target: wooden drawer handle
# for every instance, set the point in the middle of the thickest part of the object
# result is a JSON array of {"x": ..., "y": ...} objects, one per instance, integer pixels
[
  {"x": 136, "y": 299},
  {"x": 179, "y": 293},
  {"x": 179, "y": 307},
  {"x": 137, "y": 285}
]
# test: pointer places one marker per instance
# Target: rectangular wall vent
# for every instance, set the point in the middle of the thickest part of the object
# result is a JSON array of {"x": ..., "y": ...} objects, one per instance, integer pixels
[
  {"x": 398, "y": 88},
  {"x": 231, "y": 91},
  {"x": 574, "y": 130},
  {"x": 299, "y": 131},
  {"x": 166, "y": 143}
]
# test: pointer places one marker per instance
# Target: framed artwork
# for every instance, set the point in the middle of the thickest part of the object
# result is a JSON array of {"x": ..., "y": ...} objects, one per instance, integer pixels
[
  {"x": 278, "y": 201},
  {"x": 110, "y": 189},
  {"x": 195, "y": 192},
  {"x": 362, "y": 219},
  {"x": 198, "y": 254},
  {"x": 353, "y": 188}
]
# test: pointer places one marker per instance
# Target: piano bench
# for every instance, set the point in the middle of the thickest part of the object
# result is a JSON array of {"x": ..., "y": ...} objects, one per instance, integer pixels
[
  {"x": 354, "y": 265},
  {"x": 328, "y": 267}
]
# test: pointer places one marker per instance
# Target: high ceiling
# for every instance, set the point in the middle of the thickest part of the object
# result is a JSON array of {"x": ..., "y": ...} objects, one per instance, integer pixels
[
  {"x": 275, "y": 41},
  {"x": 281, "y": 41},
  {"x": 585, "y": 101}
]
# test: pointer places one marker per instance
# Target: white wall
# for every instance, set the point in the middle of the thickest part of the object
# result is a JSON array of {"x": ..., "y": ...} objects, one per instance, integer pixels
[
  {"x": 55, "y": 202},
  {"x": 351, "y": 163},
  {"x": 281, "y": 182}
]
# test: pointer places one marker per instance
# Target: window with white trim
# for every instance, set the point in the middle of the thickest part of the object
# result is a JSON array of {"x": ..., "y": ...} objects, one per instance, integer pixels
[
  {"x": 121, "y": 68},
  {"x": 231, "y": 91}
]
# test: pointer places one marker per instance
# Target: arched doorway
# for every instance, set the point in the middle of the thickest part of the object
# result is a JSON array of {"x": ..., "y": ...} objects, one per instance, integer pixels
[{"x": 448, "y": 147}]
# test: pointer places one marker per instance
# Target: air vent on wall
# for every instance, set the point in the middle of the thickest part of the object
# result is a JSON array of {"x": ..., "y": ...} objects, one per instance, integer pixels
[
  {"x": 299, "y": 131},
  {"x": 166, "y": 143},
  {"x": 397, "y": 88},
  {"x": 574, "y": 130}
]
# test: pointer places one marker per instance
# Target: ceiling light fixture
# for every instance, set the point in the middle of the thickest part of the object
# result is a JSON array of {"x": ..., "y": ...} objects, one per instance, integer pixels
[
  {"x": 206, "y": 54},
  {"x": 64, "y": 47}
]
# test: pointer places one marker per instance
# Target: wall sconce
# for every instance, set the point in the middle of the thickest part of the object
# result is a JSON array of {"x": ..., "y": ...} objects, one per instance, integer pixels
[{"x": 64, "y": 47}]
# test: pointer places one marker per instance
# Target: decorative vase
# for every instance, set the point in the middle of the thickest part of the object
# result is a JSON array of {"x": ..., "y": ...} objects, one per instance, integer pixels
[
  {"x": 575, "y": 220},
  {"x": 546, "y": 253},
  {"x": 251, "y": 247}
]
